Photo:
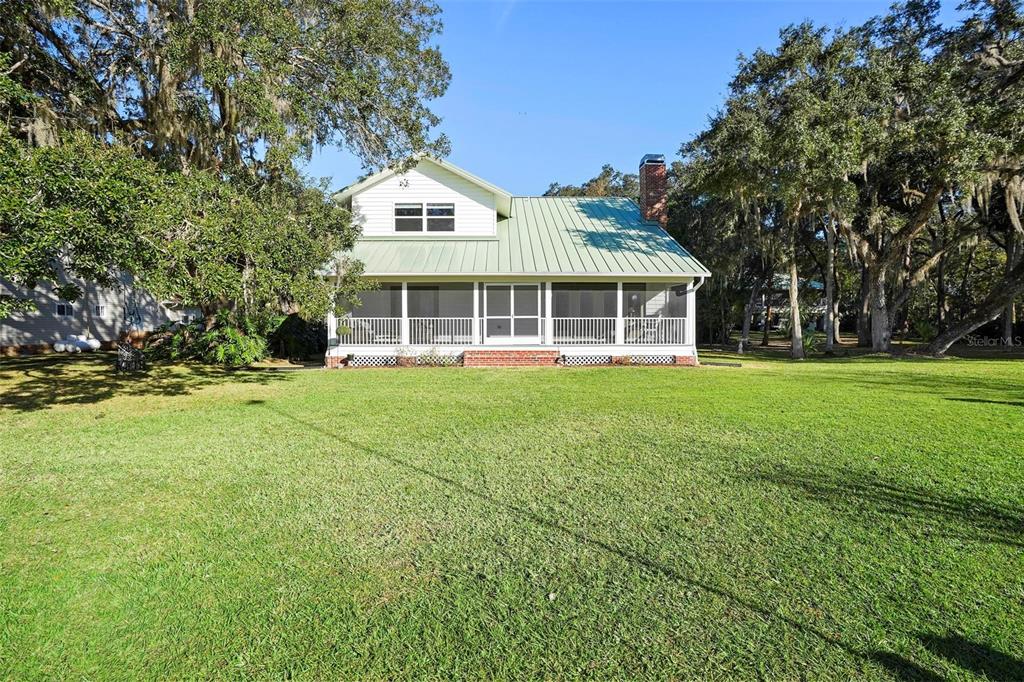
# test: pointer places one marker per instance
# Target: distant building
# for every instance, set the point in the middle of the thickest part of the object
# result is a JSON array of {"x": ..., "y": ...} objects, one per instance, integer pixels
[
  {"x": 102, "y": 313},
  {"x": 775, "y": 304}
]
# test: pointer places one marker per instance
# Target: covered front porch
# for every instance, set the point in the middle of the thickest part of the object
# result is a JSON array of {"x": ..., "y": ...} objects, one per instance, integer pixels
[{"x": 613, "y": 318}]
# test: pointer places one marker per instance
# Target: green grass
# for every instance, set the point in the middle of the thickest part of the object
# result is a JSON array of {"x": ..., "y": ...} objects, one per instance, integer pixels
[{"x": 819, "y": 520}]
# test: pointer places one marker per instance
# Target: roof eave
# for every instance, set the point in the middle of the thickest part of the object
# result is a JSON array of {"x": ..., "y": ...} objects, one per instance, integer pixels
[{"x": 503, "y": 199}]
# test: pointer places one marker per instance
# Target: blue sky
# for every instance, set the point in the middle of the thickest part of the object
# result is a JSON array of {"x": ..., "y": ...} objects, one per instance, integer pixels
[{"x": 550, "y": 91}]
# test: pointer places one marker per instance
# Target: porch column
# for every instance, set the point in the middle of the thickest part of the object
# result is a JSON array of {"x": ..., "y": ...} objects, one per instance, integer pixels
[
  {"x": 476, "y": 313},
  {"x": 332, "y": 327},
  {"x": 690, "y": 338},
  {"x": 404, "y": 324},
  {"x": 620, "y": 325},
  {"x": 549, "y": 325}
]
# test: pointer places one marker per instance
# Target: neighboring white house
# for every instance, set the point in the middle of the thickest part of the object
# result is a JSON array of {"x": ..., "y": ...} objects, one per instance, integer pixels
[
  {"x": 466, "y": 268},
  {"x": 102, "y": 313}
]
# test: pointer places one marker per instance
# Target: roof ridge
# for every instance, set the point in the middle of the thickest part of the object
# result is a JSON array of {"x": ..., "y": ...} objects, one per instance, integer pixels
[{"x": 541, "y": 196}]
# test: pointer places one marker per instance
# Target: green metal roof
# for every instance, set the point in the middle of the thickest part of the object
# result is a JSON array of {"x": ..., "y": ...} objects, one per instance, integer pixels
[{"x": 543, "y": 236}]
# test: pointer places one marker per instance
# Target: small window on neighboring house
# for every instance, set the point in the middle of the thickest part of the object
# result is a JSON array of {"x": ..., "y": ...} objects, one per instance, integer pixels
[
  {"x": 65, "y": 310},
  {"x": 408, "y": 217},
  {"x": 440, "y": 217},
  {"x": 100, "y": 310}
]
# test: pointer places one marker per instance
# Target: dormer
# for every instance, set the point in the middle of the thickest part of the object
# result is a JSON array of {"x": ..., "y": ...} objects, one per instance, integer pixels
[{"x": 434, "y": 199}]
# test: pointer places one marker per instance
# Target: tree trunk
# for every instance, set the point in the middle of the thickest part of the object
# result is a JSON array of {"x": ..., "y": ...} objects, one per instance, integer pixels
[
  {"x": 899, "y": 322},
  {"x": 1008, "y": 312},
  {"x": 747, "y": 312},
  {"x": 940, "y": 296},
  {"x": 767, "y": 312},
  {"x": 830, "y": 260},
  {"x": 1008, "y": 320},
  {"x": 881, "y": 330},
  {"x": 837, "y": 295},
  {"x": 724, "y": 320},
  {"x": 992, "y": 307},
  {"x": 864, "y": 312},
  {"x": 209, "y": 316},
  {"x": 796, "y": 332},
  {"x": 837, "y": 336}
]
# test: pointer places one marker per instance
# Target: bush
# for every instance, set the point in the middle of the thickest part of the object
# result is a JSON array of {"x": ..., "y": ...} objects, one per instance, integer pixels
[
  {"x": 231, "y": 347},
  {"x": 436, "y": 358},
  {"x": 924, "y": 330},
  {"x": 297, "y": 339},
  {"x": 222, "y": 345}
]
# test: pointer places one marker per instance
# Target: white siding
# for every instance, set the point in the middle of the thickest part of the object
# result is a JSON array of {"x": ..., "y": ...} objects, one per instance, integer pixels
[
  {"x": 475, "y": 207},
  {"x": 43, "y": 325}
]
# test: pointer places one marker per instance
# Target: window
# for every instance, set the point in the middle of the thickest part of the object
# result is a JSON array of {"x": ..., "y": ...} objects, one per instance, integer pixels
[
  {"x": 412, "y": 218},
  {"x": 408, "y": 217},
  {"x": 65, "y": 310},
  {"x": 653, "y": 300},
  {"x": 454, "y": 299},
  {"x": 583, "y": 300},
  {"x": 385, "y": 301},
  {"x": 440, "y": 217},
  {"x": 99, "y": 310}
]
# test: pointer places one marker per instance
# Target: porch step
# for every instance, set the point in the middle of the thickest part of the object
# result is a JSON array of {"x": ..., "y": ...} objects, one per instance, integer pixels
[{"x": 510, "y": 358}]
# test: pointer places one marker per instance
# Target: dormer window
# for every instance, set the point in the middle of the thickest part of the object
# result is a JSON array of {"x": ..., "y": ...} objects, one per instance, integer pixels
[
  {"x": 408, "y": 217},
  {"x": 440, "y": 217},
  {"x": 436, "y": 218}
]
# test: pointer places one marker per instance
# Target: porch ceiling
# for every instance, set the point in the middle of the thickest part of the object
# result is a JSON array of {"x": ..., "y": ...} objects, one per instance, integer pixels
[{"x": 545, "y": 236}]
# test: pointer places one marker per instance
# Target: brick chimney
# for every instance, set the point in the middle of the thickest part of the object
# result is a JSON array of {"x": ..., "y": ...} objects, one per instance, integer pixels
[{"x": 654, "y": 188}]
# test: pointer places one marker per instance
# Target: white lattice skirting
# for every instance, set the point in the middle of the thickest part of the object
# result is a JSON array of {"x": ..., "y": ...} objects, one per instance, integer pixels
[
  {"x": 582, "y": 360},
  {"x": 652, "y": 360},
  {"x": 373, "y": 361}
]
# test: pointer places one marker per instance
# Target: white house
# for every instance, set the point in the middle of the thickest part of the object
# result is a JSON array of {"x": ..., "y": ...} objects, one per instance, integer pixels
[
  {"x": 102, "y": 313},
  {"x": 464, "y": 268}
]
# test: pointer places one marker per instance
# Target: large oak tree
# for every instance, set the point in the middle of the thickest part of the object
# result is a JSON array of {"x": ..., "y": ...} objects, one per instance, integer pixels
[{"x": 225, "y": 99}]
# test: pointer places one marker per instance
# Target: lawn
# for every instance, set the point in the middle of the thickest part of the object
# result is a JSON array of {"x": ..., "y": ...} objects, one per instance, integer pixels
[{"x": 828, "y": 519}]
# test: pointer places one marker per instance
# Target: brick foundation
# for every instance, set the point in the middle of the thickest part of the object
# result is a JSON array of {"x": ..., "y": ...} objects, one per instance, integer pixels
[
  {"x": 510, "y": 358},
  {"x": 334, "y": 361},
  {"x": 687, "y": 360}
]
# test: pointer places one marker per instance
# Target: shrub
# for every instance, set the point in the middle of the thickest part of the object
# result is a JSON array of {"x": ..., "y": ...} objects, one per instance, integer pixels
[
  {"x": 231, "y": 347},
  {"x": 436, "y": 358},
  {"x": 224, "y": 344},
  {"x": 924, "y": 330},
  {"x": 297, "y": 339}
]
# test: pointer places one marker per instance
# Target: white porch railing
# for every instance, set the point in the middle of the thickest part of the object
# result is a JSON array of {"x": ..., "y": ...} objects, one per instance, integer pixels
[
  {"x": 370, "y": 330},
  {"x": 439, "y": 331},
  {"x": 583, "y": 330},
  {"x": 459, "y": 331},
  {"x": 655, "y": 330}
]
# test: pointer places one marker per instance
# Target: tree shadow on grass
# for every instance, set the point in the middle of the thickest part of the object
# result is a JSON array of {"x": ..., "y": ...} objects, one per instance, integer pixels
[
  {"x": 1012, "y": 403},
  {"x": 951, "y": 386},
  {"x": 36, "y": 383},
  {"x": 980, "y": 659},
  {"x": 861, "y": 493},
  {"x": 624, "y": 552},
  {"x": 976, "y": 657}
]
